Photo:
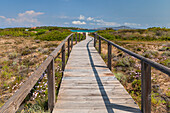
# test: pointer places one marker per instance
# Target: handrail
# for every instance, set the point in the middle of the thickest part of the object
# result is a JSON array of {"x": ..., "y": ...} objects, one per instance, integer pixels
[
  {"x": 14, "y": 102},
  {"x": 156, "y": 65},
  {"x": 145, "y": 71}
]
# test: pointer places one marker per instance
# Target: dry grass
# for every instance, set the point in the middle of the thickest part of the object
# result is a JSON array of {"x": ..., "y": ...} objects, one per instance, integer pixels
[
  {"x": 19, "y": 57},
  {"x": 159, "y": 79}
]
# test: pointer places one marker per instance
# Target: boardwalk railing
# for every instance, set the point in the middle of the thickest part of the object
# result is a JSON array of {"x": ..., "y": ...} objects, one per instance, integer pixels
[
  {"x": 15, "y": 101},
  {"x": 145, "y": 71}
]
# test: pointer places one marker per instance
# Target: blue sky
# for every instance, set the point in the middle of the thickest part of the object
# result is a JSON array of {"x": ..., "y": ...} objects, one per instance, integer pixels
[{"x": 85, "y": 13}]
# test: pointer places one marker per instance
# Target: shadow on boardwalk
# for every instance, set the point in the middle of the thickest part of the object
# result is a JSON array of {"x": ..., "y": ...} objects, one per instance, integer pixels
[{"x": 109, "y": 106}]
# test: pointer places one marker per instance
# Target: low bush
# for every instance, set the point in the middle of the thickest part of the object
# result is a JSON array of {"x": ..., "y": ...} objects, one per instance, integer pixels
[
  {"x": 150, "y": 54},
  {"x": 166, "y": 62},
  {"x": 167, "y": 53},
  {"x": 160, "y": 34},
  {"x": 16, "y": 33},
  {"x": 26, "y": 51},
  {"x": 53, "y": 35},
  {"x": 125, "y": 62}
]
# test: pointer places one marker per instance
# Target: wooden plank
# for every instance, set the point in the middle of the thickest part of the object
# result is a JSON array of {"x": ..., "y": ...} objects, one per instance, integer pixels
[
  {"x": 63, "y": 57},
  {"x": 99, "y": 45},
  {"x": 71, "y": 41},
  {"x": 68, "y": 47},
  {"x": 109, "y": 60},
  {"x": 51, "y": 85},
  {"x": 88, "y": 84},
  {"x": 95, "y": 36},
  {"x": 95, "y": 110},
  {"x": 146, "y": 87}
]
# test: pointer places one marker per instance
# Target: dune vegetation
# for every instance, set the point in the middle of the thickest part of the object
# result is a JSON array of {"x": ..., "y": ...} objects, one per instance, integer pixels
[
  {"x": 22, "y": 50},
  {"x": 152, "y": 43}
]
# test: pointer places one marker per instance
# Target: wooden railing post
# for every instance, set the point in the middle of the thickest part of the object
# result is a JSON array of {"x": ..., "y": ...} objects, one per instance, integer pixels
[
  {"x": 146, "y": 87},
  {"x": 68, "y": 47},
  {"x": 51, "y": 85},
  {"x": 71, "y": 41},
  {"x": 99, "y": 45},
  {"x": 95, "y": 36},
  {"x": 79, "y": 37},
  {"x": 76, "y": 38},
  {"x": 109, "y": 56},
  {"x": 63, "y": 58}
]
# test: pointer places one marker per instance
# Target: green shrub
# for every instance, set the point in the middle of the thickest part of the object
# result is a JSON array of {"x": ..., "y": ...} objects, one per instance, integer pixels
[
  {"x": 16, "y": 33},
  {"x": 136, "y": 85},
  {"x": 12, "y": 55},
  {"x": 6, "y": 73},
  {"x": 136, "y": 34},
  {"x": 166, "y": 62},
  {"x": 125, "y": 62},
  {"x": 139, "y": 49},
  {"x": 150, "y": 54},
  {"x": 167, "y": 53},
  {"x": 121, "y": 77},
  {"x": 26, "y": 51},
  {"x": 53, "y": 35}
]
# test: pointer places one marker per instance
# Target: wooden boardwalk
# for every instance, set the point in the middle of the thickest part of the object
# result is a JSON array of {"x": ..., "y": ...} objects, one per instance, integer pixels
[{"x": 88, "y": 86}]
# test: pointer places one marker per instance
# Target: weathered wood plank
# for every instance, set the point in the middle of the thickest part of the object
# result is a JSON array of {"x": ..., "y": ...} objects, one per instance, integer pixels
[
  {"x": 146, "y": 87},
  {"x": 51, "y": 85},
  {"x": 88, "y": 85},
  {"x": 99, "y": 45},
  {"x": 109, "y": 60},
  {"x": 68, "y": 47},
  {"x": 63, "y": 57}
]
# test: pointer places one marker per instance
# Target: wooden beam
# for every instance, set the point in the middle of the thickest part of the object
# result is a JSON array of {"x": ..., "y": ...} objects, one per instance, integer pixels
[
  {"x": 71, "y": 41},
  {"x": 68, "y": 47},
  {"x": 63, "y": 58},
  {"x": 109, "y": 56},
  {"x": 146, "y": 87},
  {"x": 95, "y": 36},
  {"x": 51, "y": 85},
  {"x": 12, "y": 105},
  {"x": 99, "y": 45}
]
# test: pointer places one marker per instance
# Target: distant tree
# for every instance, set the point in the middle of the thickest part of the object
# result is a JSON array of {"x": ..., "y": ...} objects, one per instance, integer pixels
[{"x": 109, "y": 28}]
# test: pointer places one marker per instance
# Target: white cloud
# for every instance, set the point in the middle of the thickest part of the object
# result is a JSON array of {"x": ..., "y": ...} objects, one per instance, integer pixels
[
  {"x": 99, "y": 20},
  {"x": 81, "y": 17},
  {"x": 30, "y": 13},
  {"x": 28, "y": 18},
  {"x": 104, "y": 23},
  {"x": 90, "y": 19},
  {"x": 3, "y": 17},
  {"x": 132, "y": 24},
  {"x": 78, "y": 22}
]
